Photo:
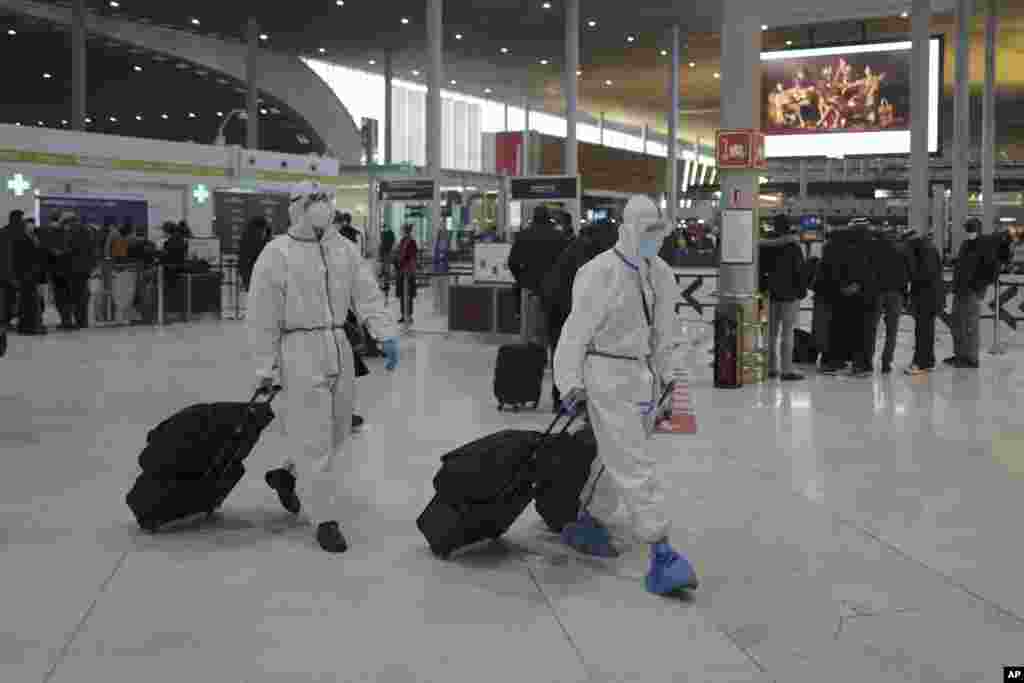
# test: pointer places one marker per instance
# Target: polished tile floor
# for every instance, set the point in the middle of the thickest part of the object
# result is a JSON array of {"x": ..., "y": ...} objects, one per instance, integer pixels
[{"x": 844, "y": 530}]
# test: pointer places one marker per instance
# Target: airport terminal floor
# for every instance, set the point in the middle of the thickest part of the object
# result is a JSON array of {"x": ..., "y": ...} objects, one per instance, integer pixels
[{"x": 843, "y": 530}]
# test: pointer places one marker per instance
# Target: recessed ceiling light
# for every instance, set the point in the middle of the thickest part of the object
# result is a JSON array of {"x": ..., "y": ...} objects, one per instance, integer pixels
[
  {"x": 579, "y": 72},
  {"x": 372, "y": 62},
  {"x": 137, "y": 68},
  {"x": 138, "y": 117},
  {"x": 340, "y": 3},
  {"x": 693, "y": 65},
  {"x": 764, "y": 27},
  {"x": 504, "y": 50},
  {"x": 113, "y": 119},
  {"x": 323, "y": 50},
  {"x": 904, "y": 15},
  {"x": 664, "y": 53},
  {"x": 87, "y": 120},
  {"x": 220, "y": 114},
  {"x": 11, "y": 32},
  {"x": 263, "y": 111},
  {"x": 264, "y": 36},
  {"x": 453, "y": 82},
  {"x": 487, "y": 91},
  {"x": 718, "y": 75},
  {"x": 630, "y": 39},
  {"x": 195, "y": 22},
  {"x": 18, "y": 124},
  {"x": 415, "y": 72},
  {"x": 63, "y": 122},
  {"x": 546, "y": 5},
  {"x": 115, "y": 4},
  {"x": 191, "y": 115},
  {"x": 544, "y": 62},
  {"x": 164, "y": 116},
  {"x": 607, "y": 82},
  {"x": 41, "y": 124},
  {"x": 458, "y": 36},
  {"x": 405, "y": 20},
  {"x": 789, "y": 42},
  {"x": 592, "y": 23},
  {"x": 47, "y": 76}
]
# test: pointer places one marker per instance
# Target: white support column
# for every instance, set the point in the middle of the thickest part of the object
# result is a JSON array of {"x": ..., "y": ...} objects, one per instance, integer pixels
[
  {"x": 961, "y": 117},
  {"x": 988, "y": 128},
  {"x": 803, "y": 179},
  {"x": 919, "y": 167},
  {"x": 527, "y": 165},
  {"x": 388, "y": 107},
  {"x": 572, "y": 65},
  {"x": 252, "y": 124},
  {"x": 79, "y": 75},
  {"x": 673, "y": 132},
  {"x": 435, "y": 76}
]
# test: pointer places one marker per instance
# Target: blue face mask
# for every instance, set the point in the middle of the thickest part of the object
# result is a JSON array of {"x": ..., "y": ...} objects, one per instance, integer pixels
[{"x": 649, "y": 248}]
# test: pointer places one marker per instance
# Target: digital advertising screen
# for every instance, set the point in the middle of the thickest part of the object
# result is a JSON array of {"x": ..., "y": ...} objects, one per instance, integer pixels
[{"x": 850, "y": 100}]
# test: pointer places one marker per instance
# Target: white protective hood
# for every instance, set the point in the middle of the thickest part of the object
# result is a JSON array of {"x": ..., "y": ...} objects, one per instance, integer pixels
[{"x": 639, "y": 214}]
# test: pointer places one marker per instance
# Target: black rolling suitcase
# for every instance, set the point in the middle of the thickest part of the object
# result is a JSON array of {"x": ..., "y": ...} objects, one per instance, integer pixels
[
  {"x": 562, "y": 474},
  {"x": 519, "y": 374},
  {"x": 483, "y": 487},
  {"x": 194, "y": 459}
]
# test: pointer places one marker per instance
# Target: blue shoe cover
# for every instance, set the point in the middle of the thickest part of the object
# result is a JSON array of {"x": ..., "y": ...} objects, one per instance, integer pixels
[
  {"x": 669, "y": 572},
  {"x": 588, "y": 536}
]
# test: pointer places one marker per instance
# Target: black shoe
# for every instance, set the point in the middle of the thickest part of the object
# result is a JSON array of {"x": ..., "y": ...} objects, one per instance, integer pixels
[
  {"x": 886, "y": 369},
  {"x": 3, "y": 344},
  {"x": 772, "y": 374},
  {"x": 401, "y": 321},
  {"x": 328, "y": 535},
  {"x": 283, "y": 482},
  {"x": 965, "y": 364},
  {"x": 357, "y": 422},
  {"x": 952, "y": 360},
  {"x": 861, "y": 373},
  {"x": 791, "y": 377}
]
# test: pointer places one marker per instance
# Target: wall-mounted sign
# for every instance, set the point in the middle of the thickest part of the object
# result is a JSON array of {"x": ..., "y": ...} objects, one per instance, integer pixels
[
  {"x": 232, "y": 212},
  {"x": 406, "y": 190},
  {"x": 543, "y": 188},
  {"x": 740, "y": 149},
  {"x": 737, "y": 236}
]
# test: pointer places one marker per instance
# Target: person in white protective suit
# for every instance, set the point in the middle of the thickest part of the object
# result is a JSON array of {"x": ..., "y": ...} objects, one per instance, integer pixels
[
  {"x": 615, "y": 347},
  {"x": 302, "y": 287}
]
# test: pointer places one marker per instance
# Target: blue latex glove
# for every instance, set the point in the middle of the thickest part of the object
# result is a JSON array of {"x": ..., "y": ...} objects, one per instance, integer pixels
[
  {"x": 389, "y": 347},
  {"x": 572, "y": 401}
]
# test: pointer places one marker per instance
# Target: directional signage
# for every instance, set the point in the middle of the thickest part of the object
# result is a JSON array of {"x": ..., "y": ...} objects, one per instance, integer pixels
[
  {"x": 543, "y": 188},
  {"x": 406, "y": 190}
]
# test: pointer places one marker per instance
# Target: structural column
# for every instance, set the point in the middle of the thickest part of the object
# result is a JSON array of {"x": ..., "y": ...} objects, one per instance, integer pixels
[
  {"x": 572, "y": 65},
  {"x": 961, "y": 117},
  {"x": 435, "y": 75},
  {"x": 741, "y": 108},
  {"x": 526, "y": 136},
  {"x": 673, "y": 133},
  {"x": 252, "y": 136},
  {"x": 988, "y": 118},
  {"x": 803, "y": 179},
  {"x": 79, "y": 84},
  {"x": 645, "y": 134},
  {"x": 388, "y": 107},
  {"x": 919, "y": 167}
]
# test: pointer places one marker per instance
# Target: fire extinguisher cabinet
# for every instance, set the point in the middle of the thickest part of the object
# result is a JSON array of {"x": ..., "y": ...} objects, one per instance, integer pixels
[{"x": 728, "y": 346}]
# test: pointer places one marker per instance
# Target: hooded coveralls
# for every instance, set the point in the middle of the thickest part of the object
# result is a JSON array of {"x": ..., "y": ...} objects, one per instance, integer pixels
[
  {"x": 300, "y": 292},
  {"x": 616, "y": 352}
]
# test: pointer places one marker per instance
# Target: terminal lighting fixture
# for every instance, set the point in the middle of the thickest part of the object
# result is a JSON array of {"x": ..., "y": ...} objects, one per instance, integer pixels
[
  {"x": 137, "y": 68},
  {"x": 579, "y": 72},
  {"x": 487, "y": 91},
  {"x": 263, "y": 111},
  {"x": 11, "y": 32},
  {"x": 220, "y": 114},
  {"x": 195, "y": 22},
  {"x": 113, "y": 119},
  {"x": 115, "y": 4},
  {"x": 264, "y": 36},
  {"x": 340, "y": 3},
  {"x": 718, "y": 75},
  {"x": 415, "y": 72},
  {"x": 323, "y": 50},
  {"x": 693, "y": 65},
  {"x": 458, "y": 36},
  {"x": 764, "y": 27},
  {"x": 64, "y": 122},
  {"x": 664, "y": 53},
  {"x": 164, "y": 116},
  {"x": 789, "y": 42},
  {"x": 544, "y": 62},
  {"x": 592, "y": 23},
  {"x": 87, "y": 120},
  {"x": 630, "y": 39},
  {"x": 504, "y": 50},
  {"x": 373, "y": 62},
  {"x": 607, "y": 82},
  {"x": 191, "y": 115},
  {"x": 546, "y": 5},
  {"x": 138, "y": 117},
  {"x": 47, "y": 76},
  {"x": 904, "y": 15},
  {"x": 453, "y": 82},
  {"x": 405, "y": 20}
]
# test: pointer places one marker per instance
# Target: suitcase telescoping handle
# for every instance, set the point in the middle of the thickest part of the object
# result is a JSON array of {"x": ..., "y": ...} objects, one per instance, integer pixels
[
  {"x": 269, "y": 393},
  {"x": 547, "y": 432}
]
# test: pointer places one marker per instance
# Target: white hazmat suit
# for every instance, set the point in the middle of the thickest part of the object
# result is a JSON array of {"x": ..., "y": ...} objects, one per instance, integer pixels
[
  {"x": 616, "y": 353},
  {"x": 302, "y": 287}
]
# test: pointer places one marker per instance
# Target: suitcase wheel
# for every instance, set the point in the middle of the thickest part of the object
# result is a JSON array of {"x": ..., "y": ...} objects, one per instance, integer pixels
[{"x": 500, "y": 407}]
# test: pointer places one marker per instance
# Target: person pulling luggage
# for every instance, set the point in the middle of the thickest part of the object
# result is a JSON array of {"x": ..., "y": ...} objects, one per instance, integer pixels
[
  {"x": 617, "y": 341},
  {"x": 301, "y": 288}
]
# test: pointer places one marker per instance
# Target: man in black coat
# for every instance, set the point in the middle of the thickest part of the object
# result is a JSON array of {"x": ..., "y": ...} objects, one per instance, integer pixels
[
  {"x": 556, "y": 288},
  {"x": 892, "y": 265},
  {"x": 927, "y": 298},
  {"x": 534, "y": 253},
  {"x": 786, "y": 289},
  {"x": 852, "y": 281}
]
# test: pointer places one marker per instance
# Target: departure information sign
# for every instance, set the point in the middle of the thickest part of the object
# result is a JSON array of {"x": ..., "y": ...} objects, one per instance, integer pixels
[
  {"x": 406, "y": 190},
  {"x": 543, "y": 188}
]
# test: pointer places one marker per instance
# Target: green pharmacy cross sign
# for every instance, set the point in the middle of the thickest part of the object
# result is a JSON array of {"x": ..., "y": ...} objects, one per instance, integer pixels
[
  {"x": 19, "y": 185},
  {"x": 200, "y": 194}
]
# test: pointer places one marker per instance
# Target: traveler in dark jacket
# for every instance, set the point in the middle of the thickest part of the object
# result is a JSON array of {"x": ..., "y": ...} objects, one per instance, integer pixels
[
  {"x": 556, "y": 288},
  {"x": 927, "y": 299},
  {"x": 892, "y": 265},
  {"x": 257, "y": 234},
  {"x": 977, "y": 266},
  {"x": 352, "y": 328},
  {"x": 534, "y": 253},
  {"x": 786, "y": 289},
  {"x": 834, "y": 342}
]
